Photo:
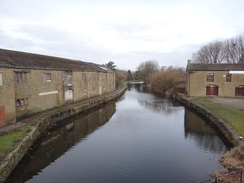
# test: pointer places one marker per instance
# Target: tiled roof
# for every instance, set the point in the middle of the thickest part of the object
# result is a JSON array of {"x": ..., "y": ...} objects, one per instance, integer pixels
[
  {"x": 22, "y": 60},
  {"x": 215, "y": 67}
]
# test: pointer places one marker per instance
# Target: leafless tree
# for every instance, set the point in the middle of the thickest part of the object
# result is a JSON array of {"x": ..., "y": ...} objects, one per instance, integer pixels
[
  {"x": 229, "y": 51},
  {"x": 162, "y": 80},
  {"x": 211, "y": 53},
  {"x": 146, "y": 68},
  {"x": 120, "y": 75},
  {"x": 234, "y": 49}
]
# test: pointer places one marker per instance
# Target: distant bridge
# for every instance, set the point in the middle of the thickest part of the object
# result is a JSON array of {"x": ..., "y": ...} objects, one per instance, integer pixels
[{"x": 137, "y": 82}]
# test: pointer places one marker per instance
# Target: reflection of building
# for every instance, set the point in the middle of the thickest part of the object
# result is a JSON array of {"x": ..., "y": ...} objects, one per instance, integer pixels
[
  {"x": 31, "y": 83},
  {"x": 204, "y": 136},
  {"x": 215, "y": 79},
  {"x": 58, "y": 142}
]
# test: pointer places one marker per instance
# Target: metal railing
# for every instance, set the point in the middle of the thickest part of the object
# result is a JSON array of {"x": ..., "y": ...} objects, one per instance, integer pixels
[{"x": 215, "y": 179}]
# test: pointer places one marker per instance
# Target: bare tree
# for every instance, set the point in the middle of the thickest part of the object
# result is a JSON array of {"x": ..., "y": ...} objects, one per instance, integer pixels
[
  {"x": 229, "y": 51},
  {"x": 211, "y": 53},
  {"x": 234, "y": 49},
  {"x": 120, "y": 75},
  {"x": 163, "y": 80},
  {"x": 146, "y": 68}
]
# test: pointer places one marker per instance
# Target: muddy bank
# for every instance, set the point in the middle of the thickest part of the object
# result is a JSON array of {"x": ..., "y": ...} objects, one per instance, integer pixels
[{"x": 38, "y": 124}]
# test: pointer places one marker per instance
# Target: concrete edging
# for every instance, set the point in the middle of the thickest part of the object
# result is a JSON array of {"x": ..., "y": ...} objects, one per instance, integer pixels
[
  {"x": 10, "y": 160},
  {"x": 224, "y": 128}
]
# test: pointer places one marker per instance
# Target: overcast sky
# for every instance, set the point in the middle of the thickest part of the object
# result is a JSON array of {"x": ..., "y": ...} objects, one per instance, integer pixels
[{"x": 127, "y": 32}]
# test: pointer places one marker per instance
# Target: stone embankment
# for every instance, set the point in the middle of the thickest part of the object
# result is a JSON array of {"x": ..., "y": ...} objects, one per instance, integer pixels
[
  {"x": 38, "y": 123},
  {"x": 224, "y": 128}
]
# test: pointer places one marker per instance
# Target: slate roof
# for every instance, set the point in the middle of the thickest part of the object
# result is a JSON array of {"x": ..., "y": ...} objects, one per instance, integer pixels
[
  {"x": 23, "y": 60},
  {"x": 215, "y": 67}
]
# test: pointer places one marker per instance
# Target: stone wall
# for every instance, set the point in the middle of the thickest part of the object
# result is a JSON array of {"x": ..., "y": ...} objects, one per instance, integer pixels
[
  {"x": 24, "y": 91},
  {"x": 197, "y": 83},
  {"x": 41, "y": 93},
  {"x": 224, "y": 128},
  {"x": 7, "y": 96}
]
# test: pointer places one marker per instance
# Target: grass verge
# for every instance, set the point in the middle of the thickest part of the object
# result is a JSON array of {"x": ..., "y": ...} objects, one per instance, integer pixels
[
  {"x": 7, "y": 141},
  {"x": 232, "y": 116}
]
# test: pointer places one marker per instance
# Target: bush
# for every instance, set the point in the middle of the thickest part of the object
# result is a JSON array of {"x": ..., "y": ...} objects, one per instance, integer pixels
[{"x": 161, "y": 81}]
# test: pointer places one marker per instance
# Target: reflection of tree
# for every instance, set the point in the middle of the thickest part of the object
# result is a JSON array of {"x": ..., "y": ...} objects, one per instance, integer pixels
[
  {"x": 198, "y": 130},
  {"x": 164, "y": 106},
  {"x": 54, "y": 145}
]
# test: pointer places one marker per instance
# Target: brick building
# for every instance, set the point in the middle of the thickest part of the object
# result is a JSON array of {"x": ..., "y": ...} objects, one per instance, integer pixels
[
  {"x": 215, "y": 80},
  {"x": 31, "y": 83}
]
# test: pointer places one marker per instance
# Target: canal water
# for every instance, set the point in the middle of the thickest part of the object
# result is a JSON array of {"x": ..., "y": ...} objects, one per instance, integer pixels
[{"x": 139, "y": 138}]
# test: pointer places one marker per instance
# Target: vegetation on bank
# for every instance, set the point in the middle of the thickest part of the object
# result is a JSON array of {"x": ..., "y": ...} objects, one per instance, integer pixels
[
  {"x": 232, "y": 116},
  {"x": 9, "y": 139}
]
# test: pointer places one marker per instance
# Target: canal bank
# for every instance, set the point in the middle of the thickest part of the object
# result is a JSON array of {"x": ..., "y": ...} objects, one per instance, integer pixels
[
  {"x": 223, "y": 127},
  {"x": 233, "y": 159},
  {"x": 37, "y": 124}
]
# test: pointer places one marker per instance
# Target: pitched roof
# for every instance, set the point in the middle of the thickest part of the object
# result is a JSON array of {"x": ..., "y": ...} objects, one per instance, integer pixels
[
  {"x": 215, "y": 67},
  {"x": 23, "y": 60}
]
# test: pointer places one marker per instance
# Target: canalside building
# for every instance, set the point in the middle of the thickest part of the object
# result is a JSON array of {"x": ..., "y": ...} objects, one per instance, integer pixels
[
  {"x": 215, "y": 80},
  {"x": 30, "y": 83}
]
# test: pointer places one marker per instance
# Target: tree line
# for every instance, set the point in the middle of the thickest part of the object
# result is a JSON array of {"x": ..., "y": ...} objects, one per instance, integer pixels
[
  {"x": 216, "y": 52},
  {"x": 158, "y": 79}
]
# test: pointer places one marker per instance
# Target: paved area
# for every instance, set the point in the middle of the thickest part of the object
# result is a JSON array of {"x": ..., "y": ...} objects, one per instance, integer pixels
[{"x": 237, "y": 103}]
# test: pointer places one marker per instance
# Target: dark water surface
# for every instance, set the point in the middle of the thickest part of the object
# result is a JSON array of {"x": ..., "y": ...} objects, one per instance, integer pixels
[{"x": 140, "y": 138}]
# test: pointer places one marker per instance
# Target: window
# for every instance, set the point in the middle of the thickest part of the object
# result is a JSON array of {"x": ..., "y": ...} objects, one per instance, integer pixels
[
  {"x": 21, "y": 102},
  {"x": 67, "y": 78},
  {"x": 210, "y": 77},
  {"x": 21, "y": 77},
  {"x": 47, "y": 77},
  {"x": 228, "y": 77},
  {"x": 1, "y": 79}
]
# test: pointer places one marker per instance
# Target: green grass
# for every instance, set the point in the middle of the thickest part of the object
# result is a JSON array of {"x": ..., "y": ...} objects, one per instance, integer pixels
[
  {"x": 7, "y": 141},
  {"x": 232, "y": 116},
  {"x": 124, "y": 84}
]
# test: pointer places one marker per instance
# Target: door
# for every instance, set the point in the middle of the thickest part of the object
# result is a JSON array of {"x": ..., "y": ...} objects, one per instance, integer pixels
[
  {"x": 212, "y": 90},
  {"x": 239, "y": 90},
  {"x": 68, "y": 95},
  {"x": 2, "y": 116}
]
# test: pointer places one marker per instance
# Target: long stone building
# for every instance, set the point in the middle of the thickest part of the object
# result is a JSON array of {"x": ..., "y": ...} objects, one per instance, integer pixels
[
  {"x": 31, "y": 83},
  {"x": 215, "y": 80}
]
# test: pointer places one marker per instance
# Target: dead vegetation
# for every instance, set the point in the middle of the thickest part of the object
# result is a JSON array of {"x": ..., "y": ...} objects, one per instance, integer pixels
[
  {"x": 165, "y": 79},
  {"x": 232, "y": 161}
]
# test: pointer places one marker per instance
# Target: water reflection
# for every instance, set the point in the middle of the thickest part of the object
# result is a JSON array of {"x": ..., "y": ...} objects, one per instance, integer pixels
[
  {"x": 164, "y": 107},
  {"x": 201, "y": 133},
  {"x": 60, "y": 141},
  {"x": 148, "y": 139}
]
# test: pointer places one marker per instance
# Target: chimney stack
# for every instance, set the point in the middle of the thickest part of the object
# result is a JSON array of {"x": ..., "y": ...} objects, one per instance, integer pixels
[{"x": 188, "y": 62}]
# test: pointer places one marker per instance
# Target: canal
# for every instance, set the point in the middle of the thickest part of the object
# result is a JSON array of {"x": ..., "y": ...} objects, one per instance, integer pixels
[{"x": 139, "y": 138}]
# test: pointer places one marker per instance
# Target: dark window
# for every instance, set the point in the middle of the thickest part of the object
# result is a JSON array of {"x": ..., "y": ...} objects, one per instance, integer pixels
[
  {"x": 210, "y": 77},
  {"x": 21, "y": 102},
  {"x": 228, "y": 77},
  {"x": 47, "y": 77},
  {"x": 21, "y": 77}
]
